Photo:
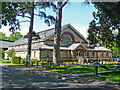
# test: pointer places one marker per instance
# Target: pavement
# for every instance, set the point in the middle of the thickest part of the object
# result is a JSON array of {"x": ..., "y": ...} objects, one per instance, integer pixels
[{"x": 75, "y": 78}]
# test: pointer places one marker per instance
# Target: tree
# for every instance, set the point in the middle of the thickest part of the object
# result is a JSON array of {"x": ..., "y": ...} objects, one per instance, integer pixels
[
  {"x": 11, "y": 53},
  {"x": 35, "y": 36},
  {"x": 92, "y": 37},
  {"x": 26, "y": 10},
  {"x": 2, "y": 35},
  {"x": 108, "y": 20},
  {"x": 56, "y": 50},
  {"x": 15, "y": 36},
  {"x": 2, "y": 55},
  {"x": 8, "y": 9},
  {"x": 116, "y": 50}
]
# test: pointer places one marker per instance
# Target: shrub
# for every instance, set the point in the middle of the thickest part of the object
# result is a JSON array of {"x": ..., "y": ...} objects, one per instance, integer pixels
[
  {"x": 54, "y": 67},
  {"x": 16, "y": 60},
  {"x": 6, "y": 61},
  {"x": 33, "y": 60},
  {"x": 23, "y": 60},
  {"x": 2, "y": 53},
  {"x": 11, "y": 53}
]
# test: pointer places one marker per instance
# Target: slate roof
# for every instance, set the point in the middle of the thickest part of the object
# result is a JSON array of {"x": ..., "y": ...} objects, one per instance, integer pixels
[
  {"x": 5, "y": 43},
  {"x": 46, "y": 34},
  {"x": 98, "y": 49},
  {"x": 71, "y": 47},
  {"x": 20, "y": 41}
]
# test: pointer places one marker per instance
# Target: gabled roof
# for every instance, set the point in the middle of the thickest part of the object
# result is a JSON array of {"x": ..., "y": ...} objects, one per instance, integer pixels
[
  {"x": 46, "y": 34},
  {"x": 62, "y": 28}
]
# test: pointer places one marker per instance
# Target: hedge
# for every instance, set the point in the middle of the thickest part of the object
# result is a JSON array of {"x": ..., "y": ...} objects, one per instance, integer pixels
[
  {"x": 16, "y": 60},
  {"x": 23, "y": 60}
]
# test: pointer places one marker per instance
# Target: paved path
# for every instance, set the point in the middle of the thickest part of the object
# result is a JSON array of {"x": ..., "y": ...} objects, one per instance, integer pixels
[{"x": 20, "y": 77}]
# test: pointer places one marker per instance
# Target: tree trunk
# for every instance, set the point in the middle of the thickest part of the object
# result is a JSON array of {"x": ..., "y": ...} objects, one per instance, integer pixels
[
  {"x": 56, "y": 50},
  {"x": 30, "y": 34}
]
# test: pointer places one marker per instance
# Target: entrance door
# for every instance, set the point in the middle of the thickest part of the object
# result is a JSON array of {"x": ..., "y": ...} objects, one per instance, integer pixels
[{"x": 79, "y": 57}]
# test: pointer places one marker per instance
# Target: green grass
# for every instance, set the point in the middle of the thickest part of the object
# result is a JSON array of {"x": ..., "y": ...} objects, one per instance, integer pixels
[
  {"x": 110, "y": 76},
  {"x": 76, "y": 69},
  {"x": 5, "y": 61}
]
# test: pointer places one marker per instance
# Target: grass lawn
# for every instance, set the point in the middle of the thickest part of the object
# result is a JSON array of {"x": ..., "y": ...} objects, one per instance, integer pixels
[
  {"x": 110, "y": 76},
  {"x": 76, "y": 69},
  {"x": 5, "y": 61}
]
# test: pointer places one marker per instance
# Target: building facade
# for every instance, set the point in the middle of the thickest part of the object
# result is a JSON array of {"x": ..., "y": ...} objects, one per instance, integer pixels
[{"x": 73, "y": 46}]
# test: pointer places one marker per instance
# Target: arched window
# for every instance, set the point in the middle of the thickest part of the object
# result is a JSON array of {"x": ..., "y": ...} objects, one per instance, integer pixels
[{"x": 67, "y": 38}]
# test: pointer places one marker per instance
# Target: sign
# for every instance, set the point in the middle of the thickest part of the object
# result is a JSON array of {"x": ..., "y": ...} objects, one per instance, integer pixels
[
  {"x": 47, "y": 56},
  {"x": 28, "y": 57}
]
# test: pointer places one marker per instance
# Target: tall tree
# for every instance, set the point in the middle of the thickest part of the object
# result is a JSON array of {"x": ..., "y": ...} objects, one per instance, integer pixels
[
  {"x": 107, "y": 21},
  {"x": 56, "y": 50},
  {"x": 26, "y": 10},
  {"x": 93, "y": 33}
]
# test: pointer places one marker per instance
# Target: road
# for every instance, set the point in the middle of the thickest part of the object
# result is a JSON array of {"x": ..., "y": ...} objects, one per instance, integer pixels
[{"x": 12, "y": 78}]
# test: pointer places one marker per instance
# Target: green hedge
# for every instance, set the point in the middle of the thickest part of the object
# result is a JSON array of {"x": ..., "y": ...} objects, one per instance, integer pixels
[
  {"x": 23, "y": 60},
  {"x": 16, "y": 60},
  {"x": 33, "y": 60},
  {"x": 6, "y": 61}
]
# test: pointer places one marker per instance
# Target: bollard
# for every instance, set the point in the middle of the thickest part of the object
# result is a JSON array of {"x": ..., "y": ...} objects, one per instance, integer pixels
[
  {"x": 32, "y": 63},
  {"x": 37, "y": 65}
]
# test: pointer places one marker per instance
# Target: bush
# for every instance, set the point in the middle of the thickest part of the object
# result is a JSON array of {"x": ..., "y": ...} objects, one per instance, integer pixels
[
  {"x": 54, "y": 67},
  {"x": 6, "y": 61},
  {"x": 11, "y": 53},
  {"x": 33, "y": 60},
  {"x": 23, "y": 60},
  {"x": 2, "y": 53},
  {"x": 16, "y": 60}
]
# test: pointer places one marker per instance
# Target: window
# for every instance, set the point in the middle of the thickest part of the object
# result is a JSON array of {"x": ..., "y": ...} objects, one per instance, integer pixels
[
  {"x": 65, "y": 54},
  {"x": 102, "y": 54},
  {"x": 107, "y": 54},
  {"x": 93, "y": 54},
  {"x": 78, "y": 53},
  {"x": 46, "y": 53},
  {"x": 87, "y": 54},
  {"x": 67, "y": 38}
]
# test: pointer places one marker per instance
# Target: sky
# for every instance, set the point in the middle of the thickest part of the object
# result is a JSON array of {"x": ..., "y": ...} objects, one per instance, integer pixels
[{"x": 75, "y": 13}]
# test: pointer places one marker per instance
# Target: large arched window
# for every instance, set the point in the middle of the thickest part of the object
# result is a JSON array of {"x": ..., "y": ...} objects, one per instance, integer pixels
[{"x": 67, "y": 38}]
